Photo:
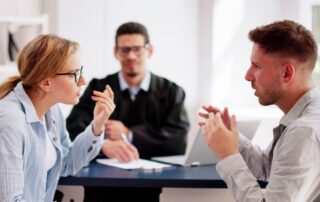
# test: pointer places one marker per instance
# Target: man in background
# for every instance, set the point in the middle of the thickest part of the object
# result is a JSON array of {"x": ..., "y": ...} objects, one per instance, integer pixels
[
  {"x": 149, "y": 120},
  {"x": 283, "y": 57}
]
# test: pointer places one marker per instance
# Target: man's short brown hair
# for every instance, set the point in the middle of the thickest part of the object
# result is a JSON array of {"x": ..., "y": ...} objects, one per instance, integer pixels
[
  {"x": 132, "y": 28},
  {"x": 287, "y": 38}
]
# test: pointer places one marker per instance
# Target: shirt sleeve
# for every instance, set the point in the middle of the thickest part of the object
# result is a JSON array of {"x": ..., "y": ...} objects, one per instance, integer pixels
[
  {"x": 256, "y": 158},
  {"x": 243, "y": 185},
  {"x": 79, "y": 153},
  {"x": 11, "y": 163},
  {"x": 293, "y": 177}
]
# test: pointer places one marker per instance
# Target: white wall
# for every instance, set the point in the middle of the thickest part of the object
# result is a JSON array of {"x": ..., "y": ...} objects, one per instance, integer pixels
[
  {"x": 305, "y": 11},
  {"x": 20, "y": 7}
]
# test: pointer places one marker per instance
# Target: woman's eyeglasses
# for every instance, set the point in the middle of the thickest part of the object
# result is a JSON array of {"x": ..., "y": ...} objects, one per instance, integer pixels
[{"x": 77, "y": 74}]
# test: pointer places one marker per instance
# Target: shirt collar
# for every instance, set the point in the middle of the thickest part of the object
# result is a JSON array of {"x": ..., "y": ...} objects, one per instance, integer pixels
[
  {"x": 144, "y": 85},
  {"x": 299, "y": 106},
  {"x": 30, "y": 111}
]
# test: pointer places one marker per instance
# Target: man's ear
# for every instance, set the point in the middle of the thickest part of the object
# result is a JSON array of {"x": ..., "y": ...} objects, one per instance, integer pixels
[
  {"x": 115, "y": 49},
  {"x": 150, "y": 50},
  {"x": 45, "y": 85},
  {"x": 289, "y": 72}
]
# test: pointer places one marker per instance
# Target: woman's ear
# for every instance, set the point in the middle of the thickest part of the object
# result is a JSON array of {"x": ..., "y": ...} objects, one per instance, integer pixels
[
  {"x": 289, "y": 72},
  {"x": 45, "y": 85}
]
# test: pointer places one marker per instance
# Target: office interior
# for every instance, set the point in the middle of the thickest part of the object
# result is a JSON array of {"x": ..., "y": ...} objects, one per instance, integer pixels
[{"x": 202, "y": 45}]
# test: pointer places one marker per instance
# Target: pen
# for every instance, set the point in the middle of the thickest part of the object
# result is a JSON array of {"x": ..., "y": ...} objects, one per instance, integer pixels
[{"x": 124, "y": 138}]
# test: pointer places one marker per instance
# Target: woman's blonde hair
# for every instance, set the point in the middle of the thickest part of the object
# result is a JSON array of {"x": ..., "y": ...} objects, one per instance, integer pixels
[{"x": 39, "y": 59}]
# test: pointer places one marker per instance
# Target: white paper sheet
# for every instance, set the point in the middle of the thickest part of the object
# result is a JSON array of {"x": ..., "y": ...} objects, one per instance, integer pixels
[{"x": 137, "y": 164}]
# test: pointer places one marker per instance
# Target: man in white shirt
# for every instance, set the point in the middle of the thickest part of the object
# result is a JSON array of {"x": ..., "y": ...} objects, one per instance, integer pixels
[{"x": 283, "y": 57}]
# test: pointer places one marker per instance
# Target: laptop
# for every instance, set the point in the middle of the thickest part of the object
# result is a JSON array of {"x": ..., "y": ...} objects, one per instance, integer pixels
[{"x": 199, "y": 153}]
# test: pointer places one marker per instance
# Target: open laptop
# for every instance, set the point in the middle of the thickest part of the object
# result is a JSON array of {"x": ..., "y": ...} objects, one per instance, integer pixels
[{"x": 199, "y": 153}]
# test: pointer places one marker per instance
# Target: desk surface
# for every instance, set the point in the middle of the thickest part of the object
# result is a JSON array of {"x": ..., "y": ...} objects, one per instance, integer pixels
[
  {"x": 183, "y": 177},
  {"x": 105, "y": 176}
]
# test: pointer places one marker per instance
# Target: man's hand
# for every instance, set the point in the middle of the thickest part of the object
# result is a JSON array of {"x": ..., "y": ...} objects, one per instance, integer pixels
[
  {"x": 120, "y": 150},
  {"x": 222, "y": 141},
  {"x": 114, "y": 128},
  {"x": 214, "y": 110},
  {"x": 103, "y": 108}
]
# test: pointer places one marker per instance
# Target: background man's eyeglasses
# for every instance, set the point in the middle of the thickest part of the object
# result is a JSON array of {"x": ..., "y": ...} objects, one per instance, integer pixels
[
  {"x": 77, "y": 75},
  {"x": 135, "y": 49}
]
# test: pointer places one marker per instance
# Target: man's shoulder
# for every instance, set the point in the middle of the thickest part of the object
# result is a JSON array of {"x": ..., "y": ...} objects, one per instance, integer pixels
[
  {"x": 111, "y": 79},
  {"x": 162, "y": 83},
  {"x": 308, "y": 121},
  {"x": 106, "y": 78}
]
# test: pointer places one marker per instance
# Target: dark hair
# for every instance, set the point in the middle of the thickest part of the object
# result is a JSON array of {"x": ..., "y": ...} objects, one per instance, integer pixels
[
  {"x": 287, "y": 38},
  {"x": 132, "y": 28}
]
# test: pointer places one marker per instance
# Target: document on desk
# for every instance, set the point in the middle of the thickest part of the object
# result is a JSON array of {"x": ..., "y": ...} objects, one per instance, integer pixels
[{"x": 136, "y": 164}]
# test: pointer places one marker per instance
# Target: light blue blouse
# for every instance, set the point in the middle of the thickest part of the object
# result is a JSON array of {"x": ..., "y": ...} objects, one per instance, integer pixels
[{"x": 23, "y": 175}]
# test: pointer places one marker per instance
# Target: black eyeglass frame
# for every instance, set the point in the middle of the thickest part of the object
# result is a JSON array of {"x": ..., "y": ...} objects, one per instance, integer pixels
[
  {"x": 127, "y": 49},
  {"x": 77, "y": 74}
]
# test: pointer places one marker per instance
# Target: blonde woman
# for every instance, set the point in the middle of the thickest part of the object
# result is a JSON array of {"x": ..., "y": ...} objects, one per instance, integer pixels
[{"x": 35, "y": 148}]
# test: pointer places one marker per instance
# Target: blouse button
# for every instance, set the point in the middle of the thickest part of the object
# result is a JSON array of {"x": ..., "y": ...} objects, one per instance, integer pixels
[{"x": 90, "y": 148}]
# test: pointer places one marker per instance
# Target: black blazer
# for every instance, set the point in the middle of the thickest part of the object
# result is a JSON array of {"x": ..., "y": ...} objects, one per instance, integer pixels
[{"x": 157, "y": 118}]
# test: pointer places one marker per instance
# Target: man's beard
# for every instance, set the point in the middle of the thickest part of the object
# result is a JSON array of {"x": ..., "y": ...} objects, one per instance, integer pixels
[
  {"x": 131, "y": 74},
  {"x": 271, "y": 97}
]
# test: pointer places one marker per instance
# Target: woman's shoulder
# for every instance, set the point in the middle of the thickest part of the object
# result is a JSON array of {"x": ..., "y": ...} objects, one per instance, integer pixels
[{"x": 11, "y": 111}]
